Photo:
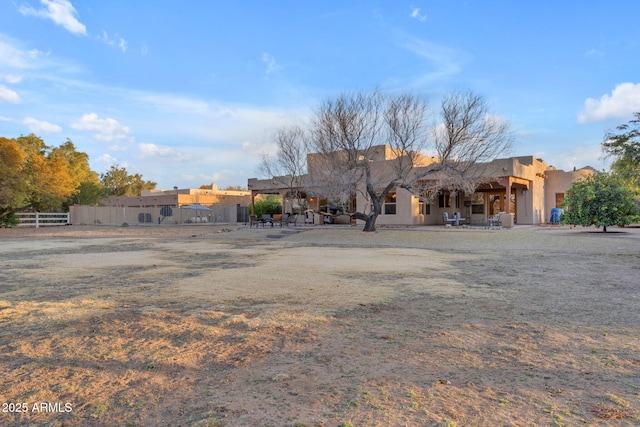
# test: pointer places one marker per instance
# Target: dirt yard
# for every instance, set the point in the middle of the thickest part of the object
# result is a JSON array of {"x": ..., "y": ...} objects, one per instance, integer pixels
[{"x": 211, "y": 326}]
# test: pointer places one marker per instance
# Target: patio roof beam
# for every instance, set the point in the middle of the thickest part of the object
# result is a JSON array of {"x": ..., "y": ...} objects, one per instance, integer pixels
[{"x": 521, "y": 181}]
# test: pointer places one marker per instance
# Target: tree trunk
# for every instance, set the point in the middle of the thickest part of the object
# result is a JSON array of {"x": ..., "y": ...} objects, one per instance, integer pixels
[
  {"x": 604, "y": 229},
  {"x": 370, "y": 223}
]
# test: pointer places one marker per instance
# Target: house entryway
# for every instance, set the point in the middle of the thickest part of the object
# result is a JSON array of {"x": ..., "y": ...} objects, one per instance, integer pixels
[{"x": 496, "y": 201}]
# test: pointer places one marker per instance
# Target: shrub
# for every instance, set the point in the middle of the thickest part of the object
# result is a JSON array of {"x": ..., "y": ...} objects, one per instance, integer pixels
[
  {"x": 600, "y": 200},
  {"x": 267, "y": 205},
  {"x": 8, "y": 219}
]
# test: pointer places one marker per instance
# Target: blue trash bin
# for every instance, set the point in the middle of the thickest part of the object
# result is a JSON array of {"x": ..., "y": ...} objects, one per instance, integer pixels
[{"x": 556, "y": 213}]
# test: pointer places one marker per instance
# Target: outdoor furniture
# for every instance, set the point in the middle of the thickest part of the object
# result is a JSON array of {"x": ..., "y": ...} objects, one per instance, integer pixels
[
  {"x": 283, "y": 220},
  {"x": 458, "y": 218},
  {"x": 197, "y": 208},
  {"x": 326, "y": 217},
  {"x": 293, "y": 219},
  {"x": 308, "y": 217},
  {"x": 494, "y": 221},
  {"x": 446, "y": 219},
  {"x": 266, "y": 219},
  {"x": 253, "y": 220}
]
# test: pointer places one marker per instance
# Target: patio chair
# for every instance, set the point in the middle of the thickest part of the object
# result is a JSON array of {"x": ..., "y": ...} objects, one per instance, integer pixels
[
  {"x": 494, "y": 221},
  {"x": 283, "y": 220},
  {"x": 293, "y": 219},
  {"x": 308, "y": 218},
  {"x": 446, "y": 219},
  {"x": 253, "y": 220},
  {"x": 266, "y": 219}
]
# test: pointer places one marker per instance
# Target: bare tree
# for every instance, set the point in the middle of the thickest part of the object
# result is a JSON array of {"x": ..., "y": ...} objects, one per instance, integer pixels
[
  {"x": 467, "y": 138},
  {"x": 370, "y": 143},
  {"x": 289, "y": 165},
  {"x": 345, "y": 132}
]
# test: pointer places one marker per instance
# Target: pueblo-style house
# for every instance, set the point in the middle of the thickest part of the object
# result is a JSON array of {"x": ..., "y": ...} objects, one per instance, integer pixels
[{"x": 525, "y": 186}]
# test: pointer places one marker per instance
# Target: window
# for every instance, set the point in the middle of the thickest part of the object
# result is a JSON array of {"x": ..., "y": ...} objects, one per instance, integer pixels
[
  {"x": 477, "y": 203},
  {"x": 424, "y": 208},
  {"x": 389, "y": 207},
  {"x": 445, "y": 199}
]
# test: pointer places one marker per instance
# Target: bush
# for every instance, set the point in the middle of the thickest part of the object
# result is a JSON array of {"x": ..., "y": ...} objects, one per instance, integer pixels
[
  {"x": 8, "y": 219},
  {"x": 601, "y": 200},
  {"x": 269, "y": 205}
]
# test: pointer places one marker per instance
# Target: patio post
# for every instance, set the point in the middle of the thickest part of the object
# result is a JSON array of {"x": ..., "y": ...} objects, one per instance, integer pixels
[
  {"x": 507, "y": 202},
  {"x": 253, "y": 202}
]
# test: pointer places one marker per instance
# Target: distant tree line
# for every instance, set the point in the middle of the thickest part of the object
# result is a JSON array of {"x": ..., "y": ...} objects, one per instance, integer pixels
[{"x": 40, "y": 177}]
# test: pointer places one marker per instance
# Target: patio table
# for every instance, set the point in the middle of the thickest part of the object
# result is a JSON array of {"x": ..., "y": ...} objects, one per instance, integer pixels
[{"x": 457, "y": 218}]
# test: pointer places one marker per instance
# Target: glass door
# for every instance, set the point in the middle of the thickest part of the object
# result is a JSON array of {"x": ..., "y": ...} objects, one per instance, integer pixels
[{"x": 496, "y": 202}]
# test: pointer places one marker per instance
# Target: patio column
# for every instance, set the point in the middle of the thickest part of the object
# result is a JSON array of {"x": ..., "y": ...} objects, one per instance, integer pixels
[
  {"x": 507, "y": 182},
  {"x": 507, "y": 202},
  {"x": 253, "y": 202}
]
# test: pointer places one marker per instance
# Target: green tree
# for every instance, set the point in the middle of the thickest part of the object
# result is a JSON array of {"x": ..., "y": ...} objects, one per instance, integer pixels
[
  {"x": 118, "y": 182},
  {"x": 89, "y": 193},
  {"x": 625, "y": 142},
  {"x": 12, "y": 191},
  {"x": 628, "y": 169},
  {"x": 601, "y": 200},
  {"x": 624, "y": 145},
  {"x": 88, "y": 188},
  {"x": 12, "y": 163},
  {"x": 46, "y": 177},
  {"x": 138, "y": 184}
]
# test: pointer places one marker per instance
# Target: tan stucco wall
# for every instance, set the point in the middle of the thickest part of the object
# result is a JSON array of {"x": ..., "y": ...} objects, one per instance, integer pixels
[
  {"x": 534, "y": 184},
  {"x": 559, "y": 182},
  {"x": 176, "y": 199}
]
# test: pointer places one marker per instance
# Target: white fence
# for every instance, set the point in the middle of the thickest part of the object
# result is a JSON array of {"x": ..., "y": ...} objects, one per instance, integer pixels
[{"x": 40, "y": 219}]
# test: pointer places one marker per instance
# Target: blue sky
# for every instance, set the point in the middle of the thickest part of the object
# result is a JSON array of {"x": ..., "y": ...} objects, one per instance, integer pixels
[{"x": 189, "y": 93}]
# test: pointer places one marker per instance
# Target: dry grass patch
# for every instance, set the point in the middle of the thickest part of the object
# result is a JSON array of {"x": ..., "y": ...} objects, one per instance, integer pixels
[{"x": 145, "y": 327}]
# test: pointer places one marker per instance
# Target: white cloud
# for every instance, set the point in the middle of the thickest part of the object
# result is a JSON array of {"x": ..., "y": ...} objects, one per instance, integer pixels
[
  {"x": 41, "y": 127},
  {"x": 221, "y": 175},
  {"x": 105, "y": 129},
  {"x": 116, "y": 41},
  {"x": 270, "y": 62},
  {"x": 148, "y": 150},
  {"x": 11, "y": 78},
  {"x": 14, "y": 56},
  {"x": 575, "y": 157},
  {"x": 61, "y": 12},
  {"x": 415, "y": 13},
  {"x": 622, "y": 103},
  {"x": 108, "y": 160},
  {"x": 174, "y": 104},
  {"x": 445, "y": 61},
  {"x": 7, "y": 95},
  {"x": 249, "y": 146}
]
